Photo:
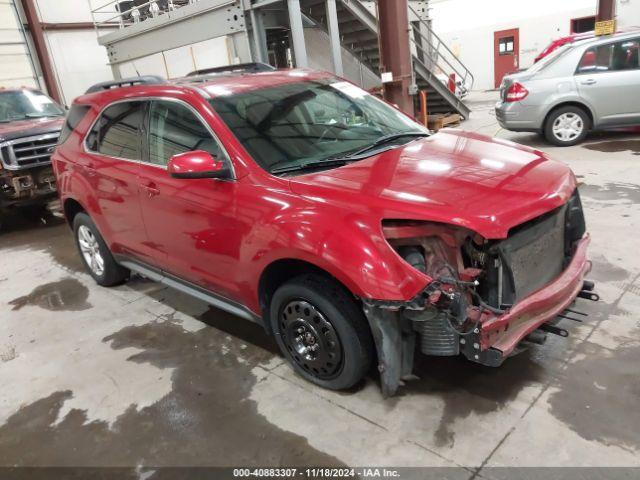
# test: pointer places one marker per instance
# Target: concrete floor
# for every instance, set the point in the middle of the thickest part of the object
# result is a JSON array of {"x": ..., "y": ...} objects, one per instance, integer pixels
[{"x": 142, "y": 375}]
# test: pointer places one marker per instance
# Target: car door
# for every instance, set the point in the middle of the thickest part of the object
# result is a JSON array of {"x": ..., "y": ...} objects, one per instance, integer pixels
[
  {"x": 190, "y": 223},
  {"x": 608, "y": 78},
  {"x": 110, "y": 164}
]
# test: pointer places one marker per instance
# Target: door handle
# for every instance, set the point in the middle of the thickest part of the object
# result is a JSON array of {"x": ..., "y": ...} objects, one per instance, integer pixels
[
  {"x": 590, "y": 81},
  {"x": 152, "y": 189}
]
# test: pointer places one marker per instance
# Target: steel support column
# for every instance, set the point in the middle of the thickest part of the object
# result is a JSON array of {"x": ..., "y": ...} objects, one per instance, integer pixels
[
  {"x": 606, "y": 10},
  {"x": 297, "y": 33},
  {"x": 395, "y": 52},
  {"x": 40, "y": 44},
  {"x": 334, "y": 37},
  {"x": 259, "y": 36}
]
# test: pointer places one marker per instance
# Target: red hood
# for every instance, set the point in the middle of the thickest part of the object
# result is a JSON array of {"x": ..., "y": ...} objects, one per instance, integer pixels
[
  {"x": 484, "y": 184},
  {"x": 32, "y": 126}
]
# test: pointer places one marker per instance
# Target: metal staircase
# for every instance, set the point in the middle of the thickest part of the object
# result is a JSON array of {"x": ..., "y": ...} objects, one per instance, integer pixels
[
  {"x": 140, "y": 28},
  {"x": 433, "y": 61}
]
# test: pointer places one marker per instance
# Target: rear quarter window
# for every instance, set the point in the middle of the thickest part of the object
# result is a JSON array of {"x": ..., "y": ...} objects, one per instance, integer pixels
[{"x": 73, "y": 118}]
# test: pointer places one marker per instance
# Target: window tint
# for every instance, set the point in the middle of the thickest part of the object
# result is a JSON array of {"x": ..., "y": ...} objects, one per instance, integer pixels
[
  {"x": 612, "y": 57},
  {"x": 174, "y": 129},
  {"x": 75, "y": 115},
  {"x": 117, "y": 132}
]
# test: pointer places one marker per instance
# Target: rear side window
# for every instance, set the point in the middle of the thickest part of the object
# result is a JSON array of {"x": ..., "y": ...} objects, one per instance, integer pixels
[
  {"x": 613, "y": 57},
  {"x": 74, "y": 116},
  {"x": 117, "y": 131}
]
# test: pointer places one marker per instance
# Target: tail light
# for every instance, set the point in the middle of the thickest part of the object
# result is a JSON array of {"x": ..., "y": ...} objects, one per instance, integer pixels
[{"x": 516, "y": 92}]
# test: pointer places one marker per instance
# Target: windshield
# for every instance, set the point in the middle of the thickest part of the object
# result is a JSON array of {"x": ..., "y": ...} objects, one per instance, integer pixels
[
  {"x": 23, "y": 104},
  {"x": 300, "y": 124}
]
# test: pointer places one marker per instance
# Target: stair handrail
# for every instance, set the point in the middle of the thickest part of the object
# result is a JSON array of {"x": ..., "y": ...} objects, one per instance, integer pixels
[{"x": 462, "y": 71}]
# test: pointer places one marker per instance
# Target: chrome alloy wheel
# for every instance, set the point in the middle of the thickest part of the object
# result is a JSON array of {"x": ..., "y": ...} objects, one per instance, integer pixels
[
  {"x": 90, "y": 250},
  {"x": 311, "y": 339},
  {"x": 567, "y": 127}
]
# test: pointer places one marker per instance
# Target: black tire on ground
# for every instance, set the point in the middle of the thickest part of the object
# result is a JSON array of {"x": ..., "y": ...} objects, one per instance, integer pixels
[
  {"x": 575, "y": 118},
  {"x": 331, "y": 316},
  {"x": 112, "y": 273}
]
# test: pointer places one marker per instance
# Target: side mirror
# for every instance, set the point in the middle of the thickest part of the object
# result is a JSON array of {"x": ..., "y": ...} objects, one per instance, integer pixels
[{"x": 197, "y": 164}]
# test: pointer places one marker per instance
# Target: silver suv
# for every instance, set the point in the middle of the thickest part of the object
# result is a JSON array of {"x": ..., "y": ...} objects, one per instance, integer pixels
[{"x": 588, "y": 85}]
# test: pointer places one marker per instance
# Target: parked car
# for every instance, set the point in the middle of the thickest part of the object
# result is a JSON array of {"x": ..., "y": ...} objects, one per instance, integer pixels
[
  {"x": 349, "y": 232},
  {"x": 559, "y": 42},
  {"x": 574, "y": 37},
  {"x": 587, "y": 85},
  {"x": 30, "y": 124}
]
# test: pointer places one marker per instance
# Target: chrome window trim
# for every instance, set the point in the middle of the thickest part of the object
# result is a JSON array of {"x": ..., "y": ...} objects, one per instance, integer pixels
[{"x": 190, "y": 107}]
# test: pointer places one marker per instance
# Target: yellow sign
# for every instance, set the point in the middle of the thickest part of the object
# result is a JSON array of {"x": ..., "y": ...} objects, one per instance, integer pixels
[{"x": 606, "y": 27}]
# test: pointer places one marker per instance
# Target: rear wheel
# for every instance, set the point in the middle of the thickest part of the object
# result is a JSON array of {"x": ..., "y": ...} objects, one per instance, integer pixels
[
  {"x": 95, "y": 253},
  {"x": 321, "y": 331},
  {"x": 567, "y": 126}
]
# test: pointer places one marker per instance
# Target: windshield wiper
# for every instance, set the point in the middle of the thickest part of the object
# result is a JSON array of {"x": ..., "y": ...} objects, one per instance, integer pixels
[
  {"x": 331, "y": 162},
  {"x": 381, "y": 141}
]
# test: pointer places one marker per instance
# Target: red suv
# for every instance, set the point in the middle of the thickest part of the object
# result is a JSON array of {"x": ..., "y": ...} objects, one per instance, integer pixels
[{"x": 299, "y": 201}]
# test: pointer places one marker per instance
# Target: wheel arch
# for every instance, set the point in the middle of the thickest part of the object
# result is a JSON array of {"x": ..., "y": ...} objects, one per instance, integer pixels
[
  {"x": 570, "y": 103},
  {"x": 71, "y": 207},
  {"x": 280, "y": 271}
]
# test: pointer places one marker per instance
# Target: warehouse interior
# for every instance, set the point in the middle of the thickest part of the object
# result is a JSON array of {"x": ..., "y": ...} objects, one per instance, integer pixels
[{"x": 153, "y": 377}]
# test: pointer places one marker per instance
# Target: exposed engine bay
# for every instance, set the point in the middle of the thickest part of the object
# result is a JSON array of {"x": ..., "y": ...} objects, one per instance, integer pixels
[{"x": 475, "y": 284}]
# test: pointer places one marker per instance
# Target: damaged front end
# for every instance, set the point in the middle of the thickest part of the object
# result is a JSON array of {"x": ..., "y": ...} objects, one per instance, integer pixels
[{"x": 486, "y": 299}]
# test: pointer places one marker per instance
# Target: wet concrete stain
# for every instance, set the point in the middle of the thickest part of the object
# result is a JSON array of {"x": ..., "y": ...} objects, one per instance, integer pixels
[
  {"x": 612, "y": 191},
  {"x": 615, "y": 146},
  {"x": 605, "y": 271},
  {"x": 67, "y": 294},
  {"x": 598, "y": 396},
  {"x": 466, "y": 388},
  {"x": 206, "y": 420}
]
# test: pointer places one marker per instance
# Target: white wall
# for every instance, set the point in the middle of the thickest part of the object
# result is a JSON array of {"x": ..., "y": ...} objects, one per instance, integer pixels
[
  {"x": 628, "y": 13},
  {"x": 78, "y": 60},
  {"x": 467, "y": 27},
  {"x": 180, "y": 61}
]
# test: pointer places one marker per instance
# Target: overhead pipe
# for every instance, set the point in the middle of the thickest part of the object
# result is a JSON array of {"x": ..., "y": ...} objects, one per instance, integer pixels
[{"x": 395, "y": 53}]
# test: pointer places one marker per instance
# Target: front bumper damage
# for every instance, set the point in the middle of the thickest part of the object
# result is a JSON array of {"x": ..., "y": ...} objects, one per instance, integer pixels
[{"x": 397, "y": 326}]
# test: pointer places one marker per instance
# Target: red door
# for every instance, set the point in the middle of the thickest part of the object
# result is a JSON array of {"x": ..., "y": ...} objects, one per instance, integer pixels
[{"x": 506, "y": 48}]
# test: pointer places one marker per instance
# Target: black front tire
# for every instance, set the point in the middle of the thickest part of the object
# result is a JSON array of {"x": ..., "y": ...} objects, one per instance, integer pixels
[
  {"x": 335, "y": 318},
  {"x": 569, "y": 112},
  {"x": 111, "y": 274}
]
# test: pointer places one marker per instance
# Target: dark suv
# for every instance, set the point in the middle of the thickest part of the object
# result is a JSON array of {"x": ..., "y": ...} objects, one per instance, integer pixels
[
  {"x": 295, "y": 199},
  {"x": 30, "y": 124}
]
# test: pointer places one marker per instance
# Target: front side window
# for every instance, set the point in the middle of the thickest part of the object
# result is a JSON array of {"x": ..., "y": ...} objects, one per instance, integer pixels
[
  {"x": 174, "y": 129},
  {"x": 300, "y": 123},
  {"x": 117, "y": 131},
  {"x": 618, "y": 56},
  {"x": 23, "y": 104}
]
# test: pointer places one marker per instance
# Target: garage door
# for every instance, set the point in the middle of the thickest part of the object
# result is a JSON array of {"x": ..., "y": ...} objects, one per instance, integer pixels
[{"x": 17, "y": 66}]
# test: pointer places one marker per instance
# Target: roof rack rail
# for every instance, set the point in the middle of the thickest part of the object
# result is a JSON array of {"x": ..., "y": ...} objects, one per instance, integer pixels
[
  {"x": 253, "y": 67},
  {"x": 126, "y": 82}
]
